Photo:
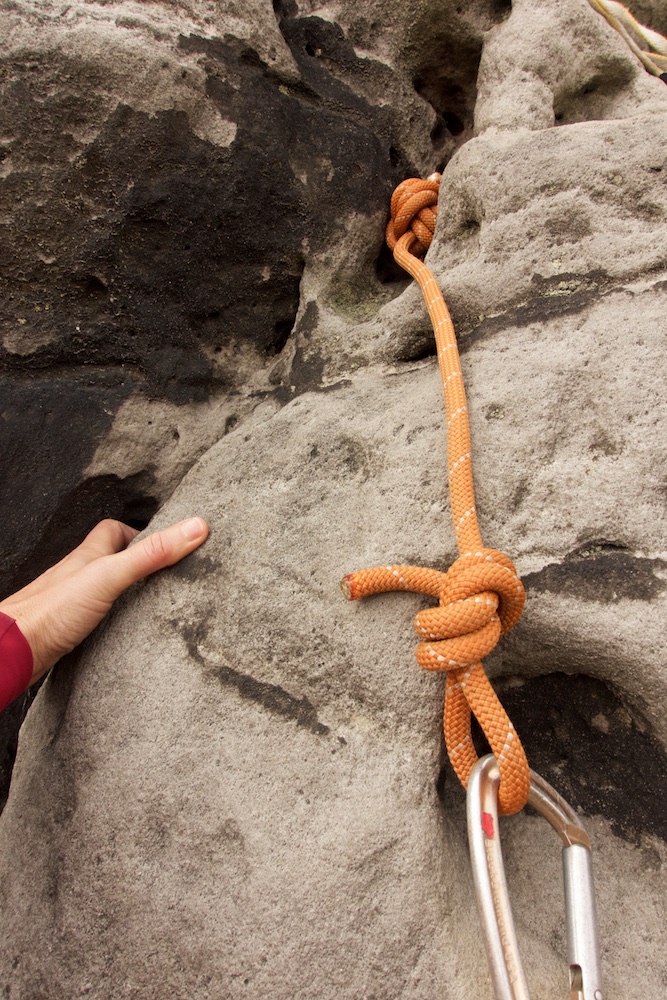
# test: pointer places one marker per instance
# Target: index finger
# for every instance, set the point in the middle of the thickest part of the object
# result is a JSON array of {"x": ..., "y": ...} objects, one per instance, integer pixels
[{"x": 110, "y": 575}]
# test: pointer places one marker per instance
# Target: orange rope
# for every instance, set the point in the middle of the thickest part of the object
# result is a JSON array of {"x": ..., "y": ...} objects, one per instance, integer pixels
[{"x": 481, "y": 596}]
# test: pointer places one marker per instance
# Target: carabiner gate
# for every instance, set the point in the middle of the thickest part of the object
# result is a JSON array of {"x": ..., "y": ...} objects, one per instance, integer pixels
[{"x": 509, "y": 981}]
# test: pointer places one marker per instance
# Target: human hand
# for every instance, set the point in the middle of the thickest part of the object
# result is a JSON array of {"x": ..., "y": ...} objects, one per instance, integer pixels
[{"x": 62, "y": 606}]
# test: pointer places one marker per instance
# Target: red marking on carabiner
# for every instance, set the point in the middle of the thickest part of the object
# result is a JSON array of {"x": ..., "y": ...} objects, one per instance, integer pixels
[{"x": 487, "y": 825}]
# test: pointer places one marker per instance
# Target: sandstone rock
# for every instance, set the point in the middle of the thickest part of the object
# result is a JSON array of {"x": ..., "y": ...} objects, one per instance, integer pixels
[
  {"x": 238, "y": 787},
  {"x": 167, "y": 173},
  {"x": 163, "y": 181}
]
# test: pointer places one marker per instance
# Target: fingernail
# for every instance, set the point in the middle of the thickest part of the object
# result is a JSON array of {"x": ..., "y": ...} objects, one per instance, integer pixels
[{"x": 193, "y": 528}]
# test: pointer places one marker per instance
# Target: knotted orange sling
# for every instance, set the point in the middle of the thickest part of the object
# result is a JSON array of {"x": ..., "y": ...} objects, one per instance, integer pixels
[{"x": 481, "y": 595}]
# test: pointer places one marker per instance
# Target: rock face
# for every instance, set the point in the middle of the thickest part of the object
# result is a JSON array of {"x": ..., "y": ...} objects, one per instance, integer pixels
[{"x": 238, "y": 787}]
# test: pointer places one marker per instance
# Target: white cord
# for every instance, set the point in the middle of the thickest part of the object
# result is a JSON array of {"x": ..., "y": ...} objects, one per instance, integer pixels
[{"x": 649, "y": 46}]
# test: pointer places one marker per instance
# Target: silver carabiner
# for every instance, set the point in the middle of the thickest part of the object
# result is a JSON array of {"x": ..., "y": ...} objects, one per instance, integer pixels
[{"x": 507, "y": 973}]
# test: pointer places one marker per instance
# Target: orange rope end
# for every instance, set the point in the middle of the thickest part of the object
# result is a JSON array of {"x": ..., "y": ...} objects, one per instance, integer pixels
[{"x": 346, "y": 587}]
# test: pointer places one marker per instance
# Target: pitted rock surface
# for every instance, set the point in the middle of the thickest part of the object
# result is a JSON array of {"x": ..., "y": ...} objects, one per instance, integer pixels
[{"x": 237, "y": 788}]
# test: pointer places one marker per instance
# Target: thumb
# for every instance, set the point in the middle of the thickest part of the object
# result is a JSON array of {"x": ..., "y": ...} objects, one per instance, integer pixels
[{"x": 110, "y": 575}]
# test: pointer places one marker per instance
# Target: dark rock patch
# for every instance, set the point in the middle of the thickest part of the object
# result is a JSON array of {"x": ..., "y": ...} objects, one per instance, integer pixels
[
  {"x": 596, "y": 751},
  {"x": 581, "y": 736},
  {"x": 130, "y": 500},
  {"x": 195, "y": 567},
  {"x": 50, "y": 426},
  {"x": 307, "y": 365},
  {"x": 272, "y": 697},
  {"x": 157, "y": 259},
  {"x": 605, "y": 576},
  {"x": 10, "y": 723},
  {"x": 564, "y": 295},
  {"x": 445, "y": 55}
]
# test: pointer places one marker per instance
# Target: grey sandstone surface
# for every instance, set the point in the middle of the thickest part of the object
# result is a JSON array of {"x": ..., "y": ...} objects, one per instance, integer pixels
[{"x": 237, "y": 788}]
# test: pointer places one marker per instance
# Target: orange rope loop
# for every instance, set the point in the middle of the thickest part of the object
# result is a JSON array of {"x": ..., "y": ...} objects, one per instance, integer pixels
[{"x": 481, "y": 596}]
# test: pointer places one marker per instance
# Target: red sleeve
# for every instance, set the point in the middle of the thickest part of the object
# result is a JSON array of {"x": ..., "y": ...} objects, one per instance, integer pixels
[{"x": 15, "y": 661}]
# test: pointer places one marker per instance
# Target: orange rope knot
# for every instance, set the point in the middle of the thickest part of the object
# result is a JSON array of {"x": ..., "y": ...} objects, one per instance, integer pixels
[
  {"x": 481, "y": 596},
  {"x": 414, "y": 208},
  {"x": 466, "y": 627}
]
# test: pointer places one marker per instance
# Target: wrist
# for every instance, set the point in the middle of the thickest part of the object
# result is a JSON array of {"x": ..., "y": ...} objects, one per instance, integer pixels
[{"x": 16, "y": 660}]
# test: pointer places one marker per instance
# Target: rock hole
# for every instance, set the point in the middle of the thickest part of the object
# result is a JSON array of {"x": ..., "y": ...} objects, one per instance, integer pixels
[
  {"x": 130, "y": 500},
  {"x": 387, "y": 271},
  {"x": 282, "y": 329},
  {"x": 95, "y": 286},
  {"x": 448, "y": 82},
  {"x": 317, "y": 37},
  {"x": 422, "y": 349},
  {"x": 597, "y": 98},
  {"x": 501, "y": 9},
  {"x": 92, "y": 285},
  {"x": 469, "y": 227},
  {"x": 596, "y": 750},
  {"x": 453, "y": 123},
  {"x": 11, "y": 720},
  {"x": 594, "y": 547},
  {"x": 439, "y": 132},
  {"x": 583, "y": 736},
  {"x": 418, "y": 346},
  {"x": 485, "y": 14},
  {"x": 285, "y": 8},
  {"x": 250, "y": 57},
  {"x": 442, "y": 783},
  {"x": 286, "y": 308}
]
